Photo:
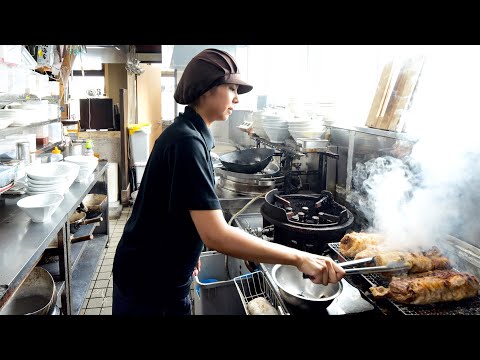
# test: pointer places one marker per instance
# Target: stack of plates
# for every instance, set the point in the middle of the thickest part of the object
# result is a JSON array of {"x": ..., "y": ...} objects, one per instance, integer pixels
[
  {"x": 87, "y": 164},
  {"x": 50, "y": 177}
]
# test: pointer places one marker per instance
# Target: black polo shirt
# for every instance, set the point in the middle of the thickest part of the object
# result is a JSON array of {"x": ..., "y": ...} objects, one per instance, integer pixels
[{"x": 160, "y": 245}]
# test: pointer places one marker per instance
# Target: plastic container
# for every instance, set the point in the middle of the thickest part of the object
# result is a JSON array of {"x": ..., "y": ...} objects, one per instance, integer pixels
[
  {"x": 139, "y": 170},
  {"x": 215, "y": 293},
  {"x": 56, "y": 155},
  {"x": 7, "y": 174},
  {"x": 89, "y": 148},
  {"x": 140, "y": 141}
]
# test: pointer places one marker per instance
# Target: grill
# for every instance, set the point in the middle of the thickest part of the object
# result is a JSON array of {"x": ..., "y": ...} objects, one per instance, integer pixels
[{"x": 464, "y": 307}]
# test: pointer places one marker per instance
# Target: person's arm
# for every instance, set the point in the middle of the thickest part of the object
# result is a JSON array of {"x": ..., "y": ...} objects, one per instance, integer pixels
[{"x": 232, "y": 241}]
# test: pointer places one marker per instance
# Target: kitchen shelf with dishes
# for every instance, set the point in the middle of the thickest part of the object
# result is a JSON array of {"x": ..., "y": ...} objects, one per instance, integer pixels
[
  {"x": 19, "y": 129},
  {"x": 26, "y": 244}
]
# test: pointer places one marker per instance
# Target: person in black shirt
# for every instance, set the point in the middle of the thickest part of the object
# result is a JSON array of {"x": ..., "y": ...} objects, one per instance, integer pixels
[{"x": 177, "y": 211}]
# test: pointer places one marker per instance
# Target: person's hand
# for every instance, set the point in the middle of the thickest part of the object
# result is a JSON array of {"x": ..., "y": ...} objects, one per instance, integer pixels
[
  {"x": 196, "y": 270},
  {"x": 321, "y": 269}
]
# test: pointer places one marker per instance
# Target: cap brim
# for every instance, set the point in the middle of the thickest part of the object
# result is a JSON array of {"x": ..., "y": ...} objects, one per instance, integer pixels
[{"x": 243, "y": 87}]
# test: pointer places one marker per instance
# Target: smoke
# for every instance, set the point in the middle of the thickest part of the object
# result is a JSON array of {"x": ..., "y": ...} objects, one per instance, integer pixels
[
  {"x": 415, "y": 201},
  {"x": 434, "y": 190}
]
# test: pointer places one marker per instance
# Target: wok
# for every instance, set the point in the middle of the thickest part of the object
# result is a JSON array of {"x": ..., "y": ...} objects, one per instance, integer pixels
[
  {"x": 78, "y": 218},
  {"x": 35, "y": 296},
  {"x": 248, "y": 161}
]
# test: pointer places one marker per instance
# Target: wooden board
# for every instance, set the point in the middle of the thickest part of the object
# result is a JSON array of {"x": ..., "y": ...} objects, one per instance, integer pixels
[
  {"x": 380, "y": 95},
  {"x": 402, "y": 93}
]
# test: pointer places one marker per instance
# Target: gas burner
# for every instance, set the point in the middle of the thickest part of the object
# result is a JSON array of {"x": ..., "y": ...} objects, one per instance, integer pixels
[{"x": 306, "y": 222}]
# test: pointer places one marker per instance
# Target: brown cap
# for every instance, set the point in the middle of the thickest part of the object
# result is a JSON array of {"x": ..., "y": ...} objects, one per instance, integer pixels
[{"x": 209, "y": 68}]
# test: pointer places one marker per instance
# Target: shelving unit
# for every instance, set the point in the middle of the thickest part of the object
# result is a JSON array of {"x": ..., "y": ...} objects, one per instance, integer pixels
[
  {"x": 18, "y": 129},
  {"x": 85, "y": 256},
  {"x": 24, "y": 243}
]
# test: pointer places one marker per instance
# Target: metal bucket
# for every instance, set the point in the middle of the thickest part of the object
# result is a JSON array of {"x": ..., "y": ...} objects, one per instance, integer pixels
[{"x": 35, "y": 296}]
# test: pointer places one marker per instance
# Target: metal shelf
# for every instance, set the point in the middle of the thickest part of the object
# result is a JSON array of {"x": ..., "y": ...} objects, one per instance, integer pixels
[
  {"x": 18, "y": 129},
  {"x": 24, "y": 242},
  {"x": 85, "y": 256},
  {"x": 85, "y": 268}
]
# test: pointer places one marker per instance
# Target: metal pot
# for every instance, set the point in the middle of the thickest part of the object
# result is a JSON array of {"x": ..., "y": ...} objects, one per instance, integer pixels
[
  {"x": 301, "y": 292},
  {"x": 35, "y": 296},
  {"x": 248, "y": 161}
]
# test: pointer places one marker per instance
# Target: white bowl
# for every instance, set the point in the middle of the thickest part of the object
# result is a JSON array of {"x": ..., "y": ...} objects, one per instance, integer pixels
[
  {"x": 82, "y": 160},
  {"x": 276, "y": 135},
  {"x": 74, "y": 169},
  {"x": 40, "y": 207},
  {"x": 54, "y": 172},
  {"x": 83, "y": 175}
]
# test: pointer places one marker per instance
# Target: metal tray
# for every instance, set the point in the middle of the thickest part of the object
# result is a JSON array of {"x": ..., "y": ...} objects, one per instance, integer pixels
[{"x": 463, "y": 307}]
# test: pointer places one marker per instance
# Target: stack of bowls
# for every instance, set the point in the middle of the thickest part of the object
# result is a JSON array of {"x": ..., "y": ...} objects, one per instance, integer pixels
[
  {"x": 37, "y": 109},
  {"x": 50, "y": 177},
  {"x": 86, "y": 163},
  {"x": 306, "y": 128},
  {"x": 275, "y": 124},
  {"x": 258, "y": 124}
]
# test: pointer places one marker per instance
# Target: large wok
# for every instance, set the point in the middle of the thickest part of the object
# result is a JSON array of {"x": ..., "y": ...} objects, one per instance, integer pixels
[
  {"x": 248, "y": 161},
  {"x": 35, "y": 296}
]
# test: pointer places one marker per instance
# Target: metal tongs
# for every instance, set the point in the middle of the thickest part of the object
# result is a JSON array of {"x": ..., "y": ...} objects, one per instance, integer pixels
[{"x": 393, "y": 266}]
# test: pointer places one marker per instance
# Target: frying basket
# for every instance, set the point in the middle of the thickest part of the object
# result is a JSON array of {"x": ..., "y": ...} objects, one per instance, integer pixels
[{"x": 254, "y": 285}]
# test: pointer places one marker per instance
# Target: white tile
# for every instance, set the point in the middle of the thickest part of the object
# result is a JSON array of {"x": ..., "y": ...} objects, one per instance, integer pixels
[
  {"x": 95, "y": 303},
  {"x": 106, "y": 311},
  {"x": 104, "y": 275},
  {"x": 98, "y": 293},
  {"x": 95, "y": 311},
  {"x": 101, "y": 284}
]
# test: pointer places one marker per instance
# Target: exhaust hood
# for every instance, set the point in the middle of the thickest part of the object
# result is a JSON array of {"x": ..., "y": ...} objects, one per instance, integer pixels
[
  {"x": 149, "y": 53},
  {"x": 182, "y": 54}
]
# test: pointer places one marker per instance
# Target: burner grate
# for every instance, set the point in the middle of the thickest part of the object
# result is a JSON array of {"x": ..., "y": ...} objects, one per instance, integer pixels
[{"x": 463, "y": 307}]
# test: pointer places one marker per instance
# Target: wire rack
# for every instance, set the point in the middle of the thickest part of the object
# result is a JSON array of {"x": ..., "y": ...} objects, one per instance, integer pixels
[
  {"x": 254, "y": 285},
  {"x": 463, "y": 307}
]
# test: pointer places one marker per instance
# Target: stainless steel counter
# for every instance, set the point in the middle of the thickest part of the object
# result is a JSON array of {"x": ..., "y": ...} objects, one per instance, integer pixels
[{"x": 22, "y": 242}]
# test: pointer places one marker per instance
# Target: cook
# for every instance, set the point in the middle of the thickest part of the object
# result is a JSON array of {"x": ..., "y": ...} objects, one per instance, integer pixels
[{"x": 177, "y": 211}]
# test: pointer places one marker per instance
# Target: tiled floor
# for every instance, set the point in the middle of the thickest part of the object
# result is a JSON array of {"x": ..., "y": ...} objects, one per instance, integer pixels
[{"x": 99, "y": 296}]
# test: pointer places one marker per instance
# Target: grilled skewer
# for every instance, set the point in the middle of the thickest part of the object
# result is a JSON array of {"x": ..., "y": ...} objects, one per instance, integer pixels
[{"x": 393, "y": 266}]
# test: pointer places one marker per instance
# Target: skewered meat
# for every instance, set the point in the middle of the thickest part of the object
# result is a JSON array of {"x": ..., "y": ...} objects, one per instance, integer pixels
[
  {"x": 430, "y": 287},
  {"x": 352, "y": 243},
  {"x": 417, "y": 262},
  {"x": 371, "y": 251}
]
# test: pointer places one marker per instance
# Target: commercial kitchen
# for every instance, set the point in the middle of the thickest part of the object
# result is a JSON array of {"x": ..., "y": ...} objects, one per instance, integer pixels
[{"x": 367, "y": 154}]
